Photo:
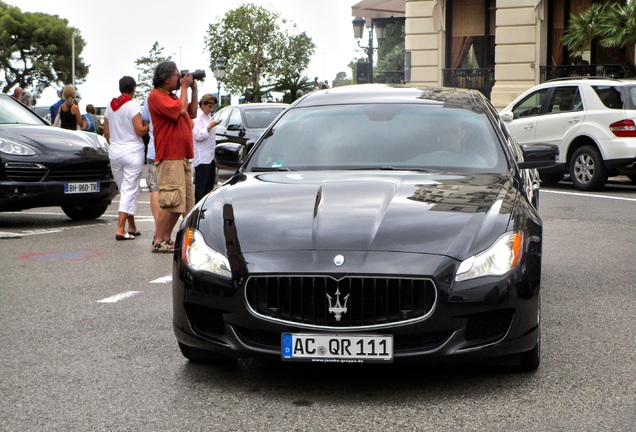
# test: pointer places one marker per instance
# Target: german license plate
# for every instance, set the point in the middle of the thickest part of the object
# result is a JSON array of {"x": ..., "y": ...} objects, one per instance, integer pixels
[
  {"x": 337, "y": 348},
  {"x": 88, "y": 187}
]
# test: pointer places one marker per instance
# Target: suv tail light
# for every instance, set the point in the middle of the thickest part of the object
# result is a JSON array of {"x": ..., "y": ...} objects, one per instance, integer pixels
[{"x": 624, "y": 128}]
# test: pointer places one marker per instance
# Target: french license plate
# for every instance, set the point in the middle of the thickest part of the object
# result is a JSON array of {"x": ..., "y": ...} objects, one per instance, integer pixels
[
  {"x": 337, "y": 348},
  {"x": 87, "y": 187}
]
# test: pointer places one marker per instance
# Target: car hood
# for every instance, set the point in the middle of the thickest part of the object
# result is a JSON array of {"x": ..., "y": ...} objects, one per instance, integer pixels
[
  {"x": 51, "y": 141},
  {"x": 451, "y": 215}
]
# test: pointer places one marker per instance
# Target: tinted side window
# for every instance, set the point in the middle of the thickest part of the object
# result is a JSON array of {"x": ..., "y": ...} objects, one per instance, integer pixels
[
  {"x": 610, "y": 96},
  {"x": 530, "y": 105},
  {"x": 222, "y": 116},
  {"x": 565, "y": 99},
  {"x": 235, "y": 118}
]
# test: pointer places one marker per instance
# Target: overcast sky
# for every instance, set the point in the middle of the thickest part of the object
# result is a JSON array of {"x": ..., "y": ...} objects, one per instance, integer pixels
[{"x": 118, "y": 32}]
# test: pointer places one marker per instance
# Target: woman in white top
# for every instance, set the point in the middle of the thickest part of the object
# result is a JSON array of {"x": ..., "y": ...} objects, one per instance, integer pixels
[
  {"x": 123, "y": 130},
  {"x": 204, "y": 132}
]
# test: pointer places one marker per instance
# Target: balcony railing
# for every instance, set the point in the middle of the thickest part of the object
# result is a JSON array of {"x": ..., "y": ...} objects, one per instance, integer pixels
[
  {"x": 478, "y": 79},
  {"x": 390, "y": 77},
  {"x": 574, "y": 71}
]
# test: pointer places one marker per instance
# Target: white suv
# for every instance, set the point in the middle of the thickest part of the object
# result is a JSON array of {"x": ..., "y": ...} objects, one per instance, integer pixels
[{"x": 592, "y": 120}]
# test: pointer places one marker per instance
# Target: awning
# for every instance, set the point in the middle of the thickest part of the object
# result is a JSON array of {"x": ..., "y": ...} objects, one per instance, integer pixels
[{"x": 378, "y": 9}]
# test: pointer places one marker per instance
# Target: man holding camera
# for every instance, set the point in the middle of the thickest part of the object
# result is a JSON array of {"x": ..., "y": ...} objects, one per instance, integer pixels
[{"x": 172, "y": 126}]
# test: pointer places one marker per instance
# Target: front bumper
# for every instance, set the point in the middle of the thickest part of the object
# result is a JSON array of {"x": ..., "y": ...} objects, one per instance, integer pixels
[
  {"x": 16, "y": 196},
  {"x": 482, "y": 318}
]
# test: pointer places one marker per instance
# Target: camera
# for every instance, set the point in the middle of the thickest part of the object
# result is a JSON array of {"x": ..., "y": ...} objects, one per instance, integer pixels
[{"x": 198, "y": 74}]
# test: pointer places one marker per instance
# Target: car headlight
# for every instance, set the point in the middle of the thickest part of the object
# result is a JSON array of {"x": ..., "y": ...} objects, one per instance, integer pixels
[
  {"x": 497, "y": 260},
  {"x": 14, "y": 148},
  {"x": 200, "y": 257}
]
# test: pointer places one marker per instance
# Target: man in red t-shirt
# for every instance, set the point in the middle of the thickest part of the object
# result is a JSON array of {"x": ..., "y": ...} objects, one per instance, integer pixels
[{"x": 171, "y": 117}]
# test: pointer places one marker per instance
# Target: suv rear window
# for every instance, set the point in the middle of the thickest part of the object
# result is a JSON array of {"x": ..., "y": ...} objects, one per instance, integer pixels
[{"x": 610, "y": 96}]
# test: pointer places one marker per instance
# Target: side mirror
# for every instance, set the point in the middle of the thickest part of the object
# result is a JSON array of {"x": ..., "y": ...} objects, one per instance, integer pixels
[
  {"x": 539, "y": 156},
  {"x": 229, "y": 155},
  {"x": 233, "y": 127},
  {"x": 507, "y": 116}
]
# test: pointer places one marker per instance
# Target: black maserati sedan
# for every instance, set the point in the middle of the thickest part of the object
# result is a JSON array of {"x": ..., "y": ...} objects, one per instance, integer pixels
[
  {"x": 45, "y": 166},
  {"x": 370, "y": 223}
]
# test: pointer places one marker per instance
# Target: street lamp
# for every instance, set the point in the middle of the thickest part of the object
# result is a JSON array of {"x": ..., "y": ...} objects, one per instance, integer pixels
[
  {"x": 219, "y": 73},
  {"x": 358, "y": 27}
]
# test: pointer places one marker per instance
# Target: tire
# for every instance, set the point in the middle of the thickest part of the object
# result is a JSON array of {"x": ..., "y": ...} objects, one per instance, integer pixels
[
  {"x": 550, "y": 179},
  {"x": 78, "y": 212},
  {"x": 196, "y": 355},
  {"x": 587, "y": 170}
]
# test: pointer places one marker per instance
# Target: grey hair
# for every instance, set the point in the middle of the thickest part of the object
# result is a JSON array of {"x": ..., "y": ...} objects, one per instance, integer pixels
[
  {"x": 163, "y": 72},
  {"x": 26, "y": 98}
]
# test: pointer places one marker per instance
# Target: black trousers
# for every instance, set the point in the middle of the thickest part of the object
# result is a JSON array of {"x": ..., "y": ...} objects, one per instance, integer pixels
[{"x": 204, "y": 180}]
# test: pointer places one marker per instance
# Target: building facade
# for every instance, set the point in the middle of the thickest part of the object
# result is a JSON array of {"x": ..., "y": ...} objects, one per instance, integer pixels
[{"x": 501, "y": 47}]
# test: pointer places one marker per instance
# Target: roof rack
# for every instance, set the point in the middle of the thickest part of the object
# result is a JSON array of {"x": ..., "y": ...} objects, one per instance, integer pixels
[{"x": 584, "y": 78}]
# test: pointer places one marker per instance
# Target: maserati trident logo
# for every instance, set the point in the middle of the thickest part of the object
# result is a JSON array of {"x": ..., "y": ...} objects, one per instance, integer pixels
[{"x": 338, "y": 309}]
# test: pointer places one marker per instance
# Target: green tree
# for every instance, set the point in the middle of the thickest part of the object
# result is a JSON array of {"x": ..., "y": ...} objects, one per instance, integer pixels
[
  {"x": 36, "y": 50},
  {"x": 146, "y": 69},
  {"x": 341, "y": 80},
  {"x": 258, "y": 49},
  {"x": 612, "y": 24},
  {"x": 292, "y": 86},
  {"x": 391, "y": 51}
]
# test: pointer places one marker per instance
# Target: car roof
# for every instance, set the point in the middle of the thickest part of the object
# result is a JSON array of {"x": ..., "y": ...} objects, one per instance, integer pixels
[
  {"x": 394, "y": 93},
  {"x": 258, "y": 105},
  {"x": 591, "y": 80}
]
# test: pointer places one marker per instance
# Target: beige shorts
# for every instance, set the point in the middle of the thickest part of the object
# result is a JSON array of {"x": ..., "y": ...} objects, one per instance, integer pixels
[{"x": 176, "y": 191}]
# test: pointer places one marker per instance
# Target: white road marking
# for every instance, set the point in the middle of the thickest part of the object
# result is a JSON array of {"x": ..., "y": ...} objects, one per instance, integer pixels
[
  {"x": 165, "y": 279},
  {"x": 118, "y": 297},
  {"x": 589, "y": 195}
]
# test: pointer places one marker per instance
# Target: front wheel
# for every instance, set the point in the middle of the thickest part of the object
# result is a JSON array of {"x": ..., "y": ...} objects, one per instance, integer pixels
[
  {"x": 79, "y": 212},
  {"x": 587, "y": 170}
]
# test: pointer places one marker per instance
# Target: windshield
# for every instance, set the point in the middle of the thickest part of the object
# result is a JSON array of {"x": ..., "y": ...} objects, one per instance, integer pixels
[
  {"x": 382, "y": 136},
  {"x": 12, "y": 112}
]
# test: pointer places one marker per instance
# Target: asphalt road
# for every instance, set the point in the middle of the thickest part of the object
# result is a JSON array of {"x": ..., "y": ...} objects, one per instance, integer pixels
[{"x": 86, "y": 342}]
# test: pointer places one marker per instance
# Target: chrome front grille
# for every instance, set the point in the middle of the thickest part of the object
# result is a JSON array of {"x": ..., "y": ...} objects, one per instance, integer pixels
[{"x": 350, "y": 302}]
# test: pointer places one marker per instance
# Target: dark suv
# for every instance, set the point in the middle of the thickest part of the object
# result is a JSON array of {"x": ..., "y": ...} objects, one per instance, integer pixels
[{"x": 44, "y": 166}]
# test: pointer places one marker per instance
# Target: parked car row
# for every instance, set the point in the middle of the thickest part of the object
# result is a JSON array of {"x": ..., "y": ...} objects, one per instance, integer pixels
[{"x": 593, "y": 122}]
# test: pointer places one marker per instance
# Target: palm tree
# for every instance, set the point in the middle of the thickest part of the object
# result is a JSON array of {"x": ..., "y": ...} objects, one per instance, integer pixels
[
  {"x": 614, "y": 25},
  {"x": 292, "y": 86}
]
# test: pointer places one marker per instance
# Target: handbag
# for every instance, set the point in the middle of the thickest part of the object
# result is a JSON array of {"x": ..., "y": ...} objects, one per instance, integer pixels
[{"x": 58, "y": 120}]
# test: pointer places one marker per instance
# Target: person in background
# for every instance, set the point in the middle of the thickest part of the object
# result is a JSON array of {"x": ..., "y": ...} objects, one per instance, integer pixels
[
  {"x": 55, "y": 108},
  {"x": 172, "y": 128},
  {"x": 69, "y": 111},
  {"x": 92, "y": 113},
  {"x": 204, "y": 132},
  {"x": 123, "y": 129},
  {"x": 151, "y": 178},
  {"x": 91, "y": 125},
  {"x": 27, "y": 99},
  {"x": 17, "y": 92}
]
